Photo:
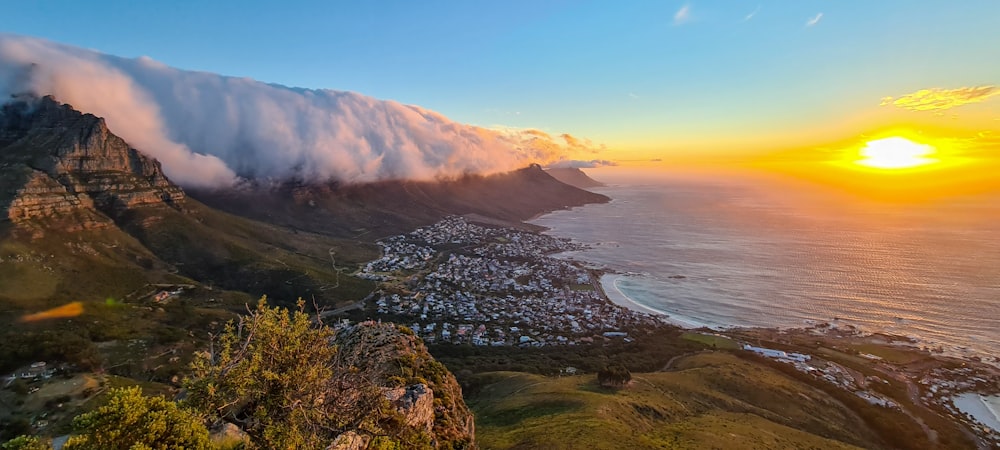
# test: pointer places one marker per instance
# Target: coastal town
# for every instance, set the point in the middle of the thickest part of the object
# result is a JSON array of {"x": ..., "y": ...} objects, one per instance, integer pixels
[
  {"x": 459, "y": 282},
  {"x": 889, "y": 371},
  {"x": 463, "y": 283}
]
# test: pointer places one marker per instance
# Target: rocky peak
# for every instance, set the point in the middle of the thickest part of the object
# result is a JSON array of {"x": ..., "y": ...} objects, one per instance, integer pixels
[
  {"x": 58, "y": 162},
  {"x": 421, "y": 389},
  {"x": 415, "y": 403}
]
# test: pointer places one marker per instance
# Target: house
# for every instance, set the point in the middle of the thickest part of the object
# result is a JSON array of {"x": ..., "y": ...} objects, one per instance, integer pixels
[{"x": 768, "y": 352}]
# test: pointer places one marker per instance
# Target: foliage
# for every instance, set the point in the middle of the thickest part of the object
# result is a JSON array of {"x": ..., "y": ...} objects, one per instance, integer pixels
[
  {"x": 893, "y": 425},
  {"x": 277, "y": 375},
  {"x": 650, "y": 352},
  {"x": 715, "y": 400},
  {"x": 614, "y": 376},
  {"x": 133, "y": 421},
  {"x": 25, "y": 443},
  {"x": 21, "y": 345}
]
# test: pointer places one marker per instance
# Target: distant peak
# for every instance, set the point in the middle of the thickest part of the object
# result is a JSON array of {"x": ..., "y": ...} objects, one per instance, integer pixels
[{"x": 575, "y": 177}]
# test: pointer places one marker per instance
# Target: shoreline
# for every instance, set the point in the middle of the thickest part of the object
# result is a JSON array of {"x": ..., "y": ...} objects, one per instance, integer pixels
[
  {"x": 616, "y": 296},
  {"x": 606, "y": 280},
  {"x": 978, "y": 405},
  {"x": 930, "y": 379},
  {"x": 730, "y": 309}
]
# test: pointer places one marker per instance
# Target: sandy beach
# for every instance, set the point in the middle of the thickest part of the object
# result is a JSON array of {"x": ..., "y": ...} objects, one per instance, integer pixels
[{"x": 609, "y": 284}]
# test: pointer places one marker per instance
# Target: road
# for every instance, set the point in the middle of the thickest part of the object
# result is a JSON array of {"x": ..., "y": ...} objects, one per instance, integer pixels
[
  {"x": 342, "y": 309},
  {"x": 913, "y": 392}
]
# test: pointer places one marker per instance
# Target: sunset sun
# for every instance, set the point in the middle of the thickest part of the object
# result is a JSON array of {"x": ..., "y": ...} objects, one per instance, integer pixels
[{"x": 895, "y": 153}]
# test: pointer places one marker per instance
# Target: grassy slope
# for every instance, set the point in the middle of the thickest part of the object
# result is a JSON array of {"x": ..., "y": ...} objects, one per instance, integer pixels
[
  {"x": 713, "y": 400},
  {"x": 241, "y": 254},
  {"x": 231, "y": 260}
]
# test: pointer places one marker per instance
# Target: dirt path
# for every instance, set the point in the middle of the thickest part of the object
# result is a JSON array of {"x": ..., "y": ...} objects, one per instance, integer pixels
[{"x": 670, "y": 363}]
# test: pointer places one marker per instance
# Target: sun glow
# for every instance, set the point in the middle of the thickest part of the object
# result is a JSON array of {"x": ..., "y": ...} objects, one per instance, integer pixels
[{"x": 895, "y": 153}]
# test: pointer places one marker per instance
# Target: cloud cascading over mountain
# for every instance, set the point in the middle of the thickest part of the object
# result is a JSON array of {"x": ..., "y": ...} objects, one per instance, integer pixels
[{"x": 207, "y": 130}]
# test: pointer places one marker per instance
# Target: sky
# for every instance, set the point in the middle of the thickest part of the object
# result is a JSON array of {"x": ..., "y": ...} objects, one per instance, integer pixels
[{"x": 647, "y": 80}]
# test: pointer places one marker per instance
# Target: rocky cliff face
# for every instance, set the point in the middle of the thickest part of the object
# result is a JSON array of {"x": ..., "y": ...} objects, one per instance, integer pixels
[
  {"x": 58, "y": 163},
  {"x": 421, "y": 389}
]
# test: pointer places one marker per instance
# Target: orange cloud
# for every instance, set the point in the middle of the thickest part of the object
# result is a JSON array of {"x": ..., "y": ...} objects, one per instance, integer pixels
[
  {"x": 60, "y": 312},
  {"x": 936, "y": 99}
]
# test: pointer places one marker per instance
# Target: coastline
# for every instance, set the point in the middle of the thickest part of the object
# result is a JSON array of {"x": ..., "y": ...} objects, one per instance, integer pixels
[
  {"x": 980, "y": 407},
  {"x": 837, "y": 345},
  {"x": 609, "y": 287}
]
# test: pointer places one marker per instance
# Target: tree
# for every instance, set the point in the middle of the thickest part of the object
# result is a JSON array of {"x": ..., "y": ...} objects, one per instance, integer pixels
[
  {"x": 132, "y": 421},
  {"x": 614, "y": 376},
  {"x": 277, "y": 374}
]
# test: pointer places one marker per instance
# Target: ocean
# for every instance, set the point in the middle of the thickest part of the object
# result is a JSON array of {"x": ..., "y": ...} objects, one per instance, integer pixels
[{"x": 728, "y": 251}]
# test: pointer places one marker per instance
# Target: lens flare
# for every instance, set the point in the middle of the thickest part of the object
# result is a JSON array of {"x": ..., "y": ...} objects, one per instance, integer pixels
[{"x": 60, "y": 312}]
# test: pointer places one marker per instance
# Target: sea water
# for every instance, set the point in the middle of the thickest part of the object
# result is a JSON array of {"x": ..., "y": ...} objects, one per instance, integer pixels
[
  {"x": 984, "y": 408},
  {"x": 741, "y": 253}
]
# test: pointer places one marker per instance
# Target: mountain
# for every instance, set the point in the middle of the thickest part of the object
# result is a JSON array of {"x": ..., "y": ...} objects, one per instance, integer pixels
[
  {"x": 66, "y": 178},
  {"x": 67, "y": 181},
  {"x": 109, "y": 267},
  {"x": 86, "y": 218},
  {"x": 92, "y": 229},
  {"x": 372, "y": 210},
  {"x": 573, "y": 177},
  {"x": 207, "y": 129},
  {"x": 63, "y": 166}
]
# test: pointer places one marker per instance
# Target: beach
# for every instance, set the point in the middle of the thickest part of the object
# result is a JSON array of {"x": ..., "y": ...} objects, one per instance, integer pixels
[
  {"x": 734, "y": 256},
  {"x": 609, "y": 284}
]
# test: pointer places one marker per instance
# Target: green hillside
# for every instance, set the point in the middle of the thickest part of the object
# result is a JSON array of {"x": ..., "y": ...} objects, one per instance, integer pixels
[
  {"x": 223, "y": 261},
  {"x": 712, "y": 400}
]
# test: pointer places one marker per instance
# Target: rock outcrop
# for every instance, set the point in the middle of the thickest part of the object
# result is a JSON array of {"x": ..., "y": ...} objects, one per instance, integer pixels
[
  {"x": 415, "y": 403},
  {"x": 59, "y": 163},
  {"x": 425, "y": 394}
]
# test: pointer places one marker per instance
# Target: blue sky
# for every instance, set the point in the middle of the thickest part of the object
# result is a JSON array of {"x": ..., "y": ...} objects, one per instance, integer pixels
[{"x": 643, "y": 76}]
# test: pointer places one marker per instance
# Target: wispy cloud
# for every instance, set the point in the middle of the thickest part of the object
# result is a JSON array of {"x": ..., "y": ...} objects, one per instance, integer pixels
[
  {"x": 581, "y": 164},
  {"x": 813, "y": 21},
  {"x": 938, "y": 99},
  {"x": 754, "y": 13},
  {"x": 574, "y": 143},
  {"x": 682, "y": 15},
  {"x": 633, "y": 96}
]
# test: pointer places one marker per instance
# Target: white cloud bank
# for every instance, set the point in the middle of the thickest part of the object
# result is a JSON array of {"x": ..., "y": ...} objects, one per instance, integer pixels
[{"x": 207, "y": 130}]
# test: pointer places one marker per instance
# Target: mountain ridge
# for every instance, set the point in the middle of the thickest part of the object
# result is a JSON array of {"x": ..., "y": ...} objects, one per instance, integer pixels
[
  {"x": 86, "y": 217},
  {"x": 92, "y": 222},
  {"x": 573, "y": 176},
  {"x": 371, "y": 210},
  {"x": 59, "y": 162}
]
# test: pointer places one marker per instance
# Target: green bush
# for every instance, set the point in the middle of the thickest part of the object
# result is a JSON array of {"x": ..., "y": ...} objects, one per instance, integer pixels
[{"x": 132, "y": 421}]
